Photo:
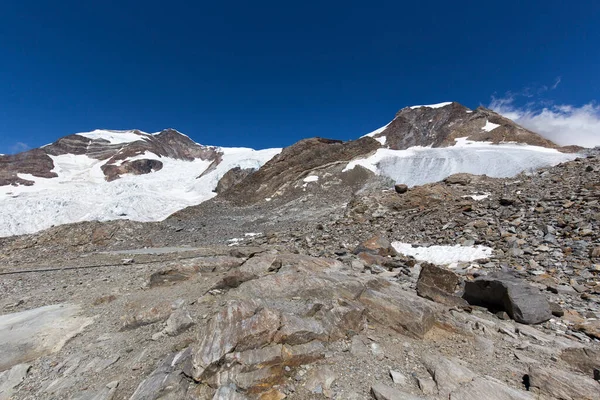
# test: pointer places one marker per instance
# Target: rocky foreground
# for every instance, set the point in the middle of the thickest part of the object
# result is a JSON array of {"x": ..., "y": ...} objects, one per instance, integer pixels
[{"x": 326, "y": 308}]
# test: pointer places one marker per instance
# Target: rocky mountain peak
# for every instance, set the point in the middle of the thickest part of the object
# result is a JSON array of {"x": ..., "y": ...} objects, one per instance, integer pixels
[
  {"x": 438, "y": 125},
  {"x": 124, "y": 152}
]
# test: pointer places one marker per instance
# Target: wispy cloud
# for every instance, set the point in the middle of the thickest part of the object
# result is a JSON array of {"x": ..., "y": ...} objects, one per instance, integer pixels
[
  {"x": 19, "y": 147},
  {"x": 556, "y": 83},
  {"x": 562, "y": 123}
]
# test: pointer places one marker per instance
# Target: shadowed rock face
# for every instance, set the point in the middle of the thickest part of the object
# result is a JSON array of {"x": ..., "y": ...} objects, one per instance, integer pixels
[
  {"x": 168, "y": 143},
  {"x": 438, "y": 127},
  {"x": 34, "y": 162},
  {"x": 136, "y": 167},
  {"x": 232, "y": 178}
]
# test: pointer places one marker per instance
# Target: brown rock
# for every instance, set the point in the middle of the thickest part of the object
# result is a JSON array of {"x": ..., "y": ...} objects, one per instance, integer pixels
[
  {"x": 295, "y": 330},
  {"x": 459, "y": 179},
  {"x": 439, "y": 284},
  {"x": 439, "y": 127},
  {"x": 135, "y": 167},
  {"x": 294, "y": 160},
  {"x": 583, "y": 359},
  {"x": 152, "y": 315},
  {"x": 378, "y": 245},
  {"x": 399, "y": 309},
  {"x": 234, "y": 279},
  {"x": 371, "y": 259},
  {"x": 240, "y": 326},
  {"x": 232, "y": 178},
  {"x": 590, "y": 328}
]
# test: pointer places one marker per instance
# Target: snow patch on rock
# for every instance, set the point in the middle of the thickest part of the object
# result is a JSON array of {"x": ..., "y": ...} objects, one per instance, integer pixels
[
  {"x": 377, "y": 131},
  {"x": 443, "y": 255},
  {"x": 382, "y": 140},
  {"x": 114, "y": 137},
  {"x": 439, "y": 105},
  {"x": 489, "y": 126},
  {"x": 478, "y": 197}
]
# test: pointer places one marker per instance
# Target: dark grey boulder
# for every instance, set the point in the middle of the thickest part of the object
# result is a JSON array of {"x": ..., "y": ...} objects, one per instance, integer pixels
[
  {"x": 400, "y": 188},
  {"x": 521, "y": 301}
]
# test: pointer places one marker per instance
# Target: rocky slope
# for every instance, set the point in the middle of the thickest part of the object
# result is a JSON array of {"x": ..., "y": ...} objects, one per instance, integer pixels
[
  {"x": 308, "y": 279},
  {"x": 381, "y": 298}
]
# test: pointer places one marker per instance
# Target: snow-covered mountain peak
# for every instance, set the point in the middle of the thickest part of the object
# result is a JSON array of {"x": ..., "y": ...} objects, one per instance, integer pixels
[
  {"x": 113, "y": 174},
  {"x": 439, "y": 105},
  {"x": 114, "y": 136}
]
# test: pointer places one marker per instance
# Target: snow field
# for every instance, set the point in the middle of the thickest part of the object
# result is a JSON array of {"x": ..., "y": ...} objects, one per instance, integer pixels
[
  {"x": 443, "y": 255},
  {"x": 80, "y": 192}
]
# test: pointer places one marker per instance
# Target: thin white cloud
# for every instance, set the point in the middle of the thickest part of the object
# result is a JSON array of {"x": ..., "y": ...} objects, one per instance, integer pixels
[
  {"x": 563, "y": 124},
  {"x": 19, "y": 147},
  {"x": 558, "y": 79}
]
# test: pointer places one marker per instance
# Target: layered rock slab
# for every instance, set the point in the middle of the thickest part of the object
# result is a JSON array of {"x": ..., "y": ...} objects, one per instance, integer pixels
[{"x": 27, "y": 335}]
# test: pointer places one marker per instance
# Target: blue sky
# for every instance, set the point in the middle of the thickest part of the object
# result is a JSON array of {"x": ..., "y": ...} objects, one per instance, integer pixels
[{"x": 268, "y": 73}]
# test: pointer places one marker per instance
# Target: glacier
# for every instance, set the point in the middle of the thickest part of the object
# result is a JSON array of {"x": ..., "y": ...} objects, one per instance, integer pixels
[
  {"x": 80, "y": 192},
  {"x": 421, "y": 165}
]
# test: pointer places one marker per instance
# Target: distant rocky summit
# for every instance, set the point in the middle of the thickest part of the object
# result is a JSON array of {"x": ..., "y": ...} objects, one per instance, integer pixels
[{"x": 438, "y": 125}]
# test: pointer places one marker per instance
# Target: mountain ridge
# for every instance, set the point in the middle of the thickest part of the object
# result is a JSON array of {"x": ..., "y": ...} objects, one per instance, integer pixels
[{"x": 130, "y": 174}]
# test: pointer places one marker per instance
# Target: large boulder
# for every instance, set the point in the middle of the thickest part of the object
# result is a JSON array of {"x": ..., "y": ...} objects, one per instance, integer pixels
[
  {"x": 377, "y": 245},
  {"x": 439, "y": 284},
  {"x": 522, "y": 302},
  {"x": 239, "y": 326},
  {"x": 254, "y": 347}
]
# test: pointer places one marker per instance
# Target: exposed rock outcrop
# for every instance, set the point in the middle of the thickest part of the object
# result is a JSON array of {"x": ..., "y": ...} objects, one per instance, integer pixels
[
  {"x": 295, "y": 162},
  {"x": 439, "y": 126},
  {"x": 232, "y": 178}
]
